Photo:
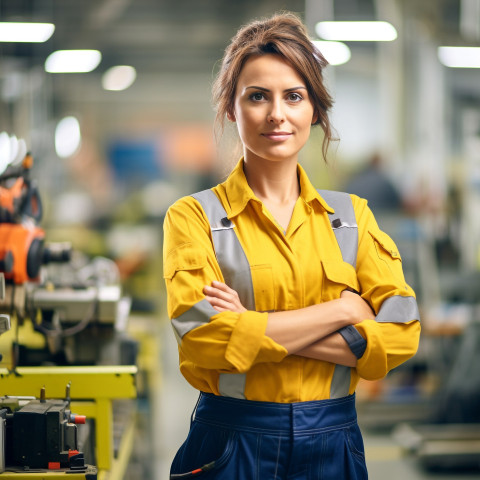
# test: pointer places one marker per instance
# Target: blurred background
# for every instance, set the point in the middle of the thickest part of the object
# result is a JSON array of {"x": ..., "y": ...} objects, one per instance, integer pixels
[{"x": 114, "y": 145}]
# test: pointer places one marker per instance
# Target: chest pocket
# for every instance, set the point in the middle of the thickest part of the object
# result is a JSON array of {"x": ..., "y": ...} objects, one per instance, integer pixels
[
  {"x": 338, "y": 276},
  {"x": 264, "y": 288}
]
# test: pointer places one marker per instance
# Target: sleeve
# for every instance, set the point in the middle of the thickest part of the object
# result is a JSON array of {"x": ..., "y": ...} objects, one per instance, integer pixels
[
  {"x": 393, "y": 337},
  {"x": 229, "y": 342}
]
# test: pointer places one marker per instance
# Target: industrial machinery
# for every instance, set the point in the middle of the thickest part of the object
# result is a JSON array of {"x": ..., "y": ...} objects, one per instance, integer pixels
[
  {"x": 74, "y": 302},
  {"x": 63, "y": 317},
  {"x": 40, "y": 434}
]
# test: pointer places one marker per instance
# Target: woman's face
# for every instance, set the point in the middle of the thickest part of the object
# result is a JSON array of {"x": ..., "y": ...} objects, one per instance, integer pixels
[{"x": 272, "y": 109}]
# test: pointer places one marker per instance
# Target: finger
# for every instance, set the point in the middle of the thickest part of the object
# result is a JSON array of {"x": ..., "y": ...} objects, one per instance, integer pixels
[
  {"x": 222, "y": 286},
  {"x": 217, "y": 302},
  {"x": 215, "y": 292}
]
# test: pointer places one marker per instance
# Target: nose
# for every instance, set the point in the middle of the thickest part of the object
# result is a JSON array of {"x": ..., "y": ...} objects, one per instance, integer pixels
[{"x": 276, "y": 113}]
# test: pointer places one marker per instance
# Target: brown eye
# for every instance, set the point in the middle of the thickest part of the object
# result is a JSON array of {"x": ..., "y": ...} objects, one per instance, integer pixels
[
  {"x": 257, "y": 96},
  {"x": 294, "y": 97}
]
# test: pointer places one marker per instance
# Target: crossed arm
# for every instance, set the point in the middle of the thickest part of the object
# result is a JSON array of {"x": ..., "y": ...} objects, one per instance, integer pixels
[{"x": 307, "y": 332}]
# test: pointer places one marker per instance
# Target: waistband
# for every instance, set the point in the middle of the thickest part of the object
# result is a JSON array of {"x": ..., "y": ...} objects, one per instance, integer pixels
[{"x": 299, "y": 418}]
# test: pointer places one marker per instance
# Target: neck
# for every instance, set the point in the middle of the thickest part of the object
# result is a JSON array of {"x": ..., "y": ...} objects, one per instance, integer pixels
[{"x": 272, "y": 181}]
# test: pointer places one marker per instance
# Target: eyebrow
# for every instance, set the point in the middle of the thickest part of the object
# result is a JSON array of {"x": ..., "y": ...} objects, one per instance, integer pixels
[{"x": 263, "y": 89}]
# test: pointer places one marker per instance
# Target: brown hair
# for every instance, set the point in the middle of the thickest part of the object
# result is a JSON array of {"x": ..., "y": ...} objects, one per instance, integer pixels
[{"x": 282, "y": 34}]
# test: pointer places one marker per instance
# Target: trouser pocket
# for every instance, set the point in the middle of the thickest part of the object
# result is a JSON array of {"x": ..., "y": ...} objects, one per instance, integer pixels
[{"x": 205, "y": 452}]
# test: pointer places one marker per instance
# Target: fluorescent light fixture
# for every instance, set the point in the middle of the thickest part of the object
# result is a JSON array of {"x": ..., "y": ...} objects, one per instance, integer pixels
[
  {"x": 4, "y": 151},
  {"x": 67, "y": 137},
  {"x": 73, "y": 61},
  {"x": 25, "y": 32},
  {"x": 119, "y": 77},
  {"x": 356, "y": 31},
  {"x": 336, "y": 53},
  {"x": 459, "y": 57}
]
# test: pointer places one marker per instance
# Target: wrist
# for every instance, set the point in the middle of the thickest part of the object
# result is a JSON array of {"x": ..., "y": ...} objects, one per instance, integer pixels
[{"x": 345, "y": 314}]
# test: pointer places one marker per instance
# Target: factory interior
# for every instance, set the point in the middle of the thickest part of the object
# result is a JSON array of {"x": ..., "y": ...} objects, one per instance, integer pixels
[{"x": 90, "y": 161}]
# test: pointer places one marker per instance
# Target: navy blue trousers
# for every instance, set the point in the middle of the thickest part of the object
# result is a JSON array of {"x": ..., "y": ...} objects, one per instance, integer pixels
[{"x": 232, "y": 439}]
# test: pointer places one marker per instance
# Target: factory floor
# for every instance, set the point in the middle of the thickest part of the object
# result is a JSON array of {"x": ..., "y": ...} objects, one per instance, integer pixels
[{"x": 385, "y": 459}]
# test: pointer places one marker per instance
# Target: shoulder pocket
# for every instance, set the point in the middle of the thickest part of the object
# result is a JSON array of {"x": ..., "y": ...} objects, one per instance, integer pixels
[
  {"x": 338, "y": 276},
  {"x": 184, "y": 257},
  {"x": 384, "y": 245}
]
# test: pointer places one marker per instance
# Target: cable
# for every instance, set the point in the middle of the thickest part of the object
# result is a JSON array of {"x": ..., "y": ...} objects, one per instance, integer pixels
[{"x": 193, "y": 473}]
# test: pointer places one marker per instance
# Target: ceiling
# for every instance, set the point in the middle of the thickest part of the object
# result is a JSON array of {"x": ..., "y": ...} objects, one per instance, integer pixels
[{"x": 174, "y": 45}]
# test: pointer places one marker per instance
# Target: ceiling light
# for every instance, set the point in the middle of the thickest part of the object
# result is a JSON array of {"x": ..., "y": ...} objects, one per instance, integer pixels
[
  {"x": 119, "y": 77},
  {"x": 73, "y": 61},
  {"x": 67, "y": 137},
  {"x": 459, "y": 57},
  {"x": 25, "y": 32},
  {"x": 356, "y": 31},
  {"x": 336, "y": 53},
  {"x": 4, "y": 151}
]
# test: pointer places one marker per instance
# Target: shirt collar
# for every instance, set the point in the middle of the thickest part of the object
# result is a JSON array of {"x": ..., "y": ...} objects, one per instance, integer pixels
[
  {"x": 239, "y": 192},
  {"x": 308, "y": 192}
]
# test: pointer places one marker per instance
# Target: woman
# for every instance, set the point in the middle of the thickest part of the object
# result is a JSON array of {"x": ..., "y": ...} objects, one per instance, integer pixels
[{"x": 280, "y": 300}]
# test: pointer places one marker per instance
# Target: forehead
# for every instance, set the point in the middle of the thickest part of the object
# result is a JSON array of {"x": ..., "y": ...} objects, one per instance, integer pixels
[{"x": 269, "y": 71}]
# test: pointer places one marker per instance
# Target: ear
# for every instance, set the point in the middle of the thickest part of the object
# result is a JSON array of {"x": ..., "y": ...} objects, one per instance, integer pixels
[
  {"x": 231, "y": 116},
  {"x": 315, "y": 117}
]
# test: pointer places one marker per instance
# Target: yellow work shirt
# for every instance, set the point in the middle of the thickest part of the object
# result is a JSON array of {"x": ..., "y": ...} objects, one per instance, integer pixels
[{"x": 290, "y": 270}]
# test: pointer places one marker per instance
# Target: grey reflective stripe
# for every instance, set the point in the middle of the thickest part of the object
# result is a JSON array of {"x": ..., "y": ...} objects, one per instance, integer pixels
[
  {"x": 232, "y": 385},
  {"x": 340, "y": 382},
  {"x": 398, "y": 309},
  {"x": 230, "y": 254},
  {"x": 344, "y": 224},
  {"x": 236, "y": 272},
  {"x": 196, "y": 316}
]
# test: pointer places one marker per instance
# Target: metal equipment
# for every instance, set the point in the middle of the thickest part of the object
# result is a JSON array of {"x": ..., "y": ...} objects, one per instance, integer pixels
[
  {"x": 40, "y": 434},
  {"x": 66, "y": 310}
]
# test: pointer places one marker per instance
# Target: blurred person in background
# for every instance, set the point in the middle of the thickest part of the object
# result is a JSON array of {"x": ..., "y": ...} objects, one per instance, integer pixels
[
  {"x": 281, "y": 297},
  {"x": 373, "y": 184}
]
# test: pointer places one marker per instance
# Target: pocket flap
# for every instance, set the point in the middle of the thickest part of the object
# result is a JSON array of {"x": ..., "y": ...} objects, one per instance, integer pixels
[
  {"x": 183, "y": 257},
  {"x": 386, "y": 243},
  {"x": 341, "y": 272}
]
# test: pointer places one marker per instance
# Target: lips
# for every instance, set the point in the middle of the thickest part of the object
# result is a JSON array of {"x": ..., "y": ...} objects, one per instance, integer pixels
[{"x": 277, "y": 136}]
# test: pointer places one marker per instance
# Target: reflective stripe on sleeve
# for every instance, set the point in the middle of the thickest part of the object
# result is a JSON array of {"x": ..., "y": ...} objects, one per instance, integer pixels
[
  {"x": 398, "y": 309},
  {"x": 196, "y": 316}
]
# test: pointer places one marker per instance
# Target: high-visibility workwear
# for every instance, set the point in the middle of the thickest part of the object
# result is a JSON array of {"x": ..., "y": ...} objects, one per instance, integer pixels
[
  {"x": 228, "y": 353},
  {"x": 239, "y": 439}
]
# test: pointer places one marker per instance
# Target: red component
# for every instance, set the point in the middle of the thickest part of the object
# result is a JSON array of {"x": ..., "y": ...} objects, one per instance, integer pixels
[
  {"x": 71, "y": 453},
  {"x": 25, "y": 243},
  {"x": 78, "y": 419},
  {"x": 54, "y": 465}
]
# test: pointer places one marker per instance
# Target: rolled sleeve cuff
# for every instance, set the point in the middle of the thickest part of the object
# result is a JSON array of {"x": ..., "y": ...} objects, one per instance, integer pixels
[
  {"x": 373, "y": 363},
  {"x": 247, "y": 340},
  {"x": 355, "y": 341}
]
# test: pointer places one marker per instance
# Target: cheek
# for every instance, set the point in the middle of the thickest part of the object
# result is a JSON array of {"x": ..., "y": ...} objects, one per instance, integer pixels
[{"x": 247, "y": 121}]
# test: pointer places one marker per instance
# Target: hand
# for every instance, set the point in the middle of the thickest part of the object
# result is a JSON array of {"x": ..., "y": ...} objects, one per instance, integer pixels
[
  {"x": 223, "y": 298},
  {"x": 358, "y": 308}
]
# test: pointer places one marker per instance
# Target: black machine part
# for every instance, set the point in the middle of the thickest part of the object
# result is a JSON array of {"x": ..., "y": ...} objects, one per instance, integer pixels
[{"x": 40, "y": 433}]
